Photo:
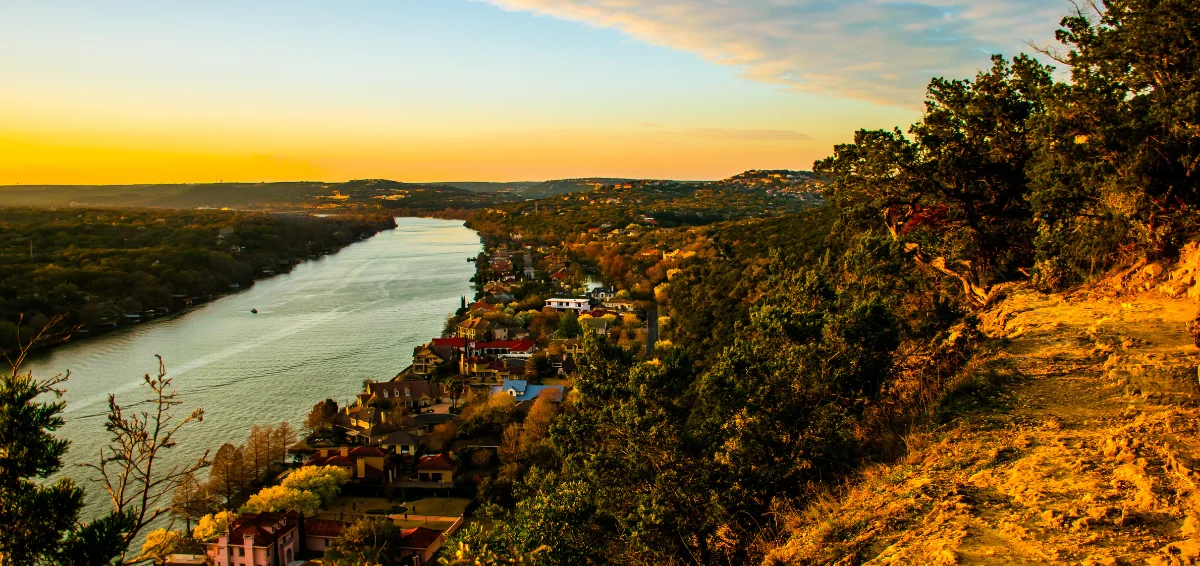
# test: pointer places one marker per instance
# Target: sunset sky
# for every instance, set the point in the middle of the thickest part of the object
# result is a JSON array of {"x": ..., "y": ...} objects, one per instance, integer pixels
[{"x": 439, "y": 90}]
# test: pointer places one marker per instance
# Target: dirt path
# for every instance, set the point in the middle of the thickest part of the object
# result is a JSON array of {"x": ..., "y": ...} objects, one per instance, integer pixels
[{"x": 1091, "y": 458}]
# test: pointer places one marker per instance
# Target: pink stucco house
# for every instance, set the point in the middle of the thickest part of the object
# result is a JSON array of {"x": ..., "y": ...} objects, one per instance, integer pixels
[{"x": 260, "y": 539}]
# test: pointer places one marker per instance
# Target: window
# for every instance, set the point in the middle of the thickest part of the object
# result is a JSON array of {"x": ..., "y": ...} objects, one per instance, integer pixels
[{"x": 241, "y": 552}]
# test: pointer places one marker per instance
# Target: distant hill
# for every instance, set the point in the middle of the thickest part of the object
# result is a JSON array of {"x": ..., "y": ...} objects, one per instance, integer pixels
[
  {"x": 65, "y": 195},
  {"x": 487, "y": 187},
  {"x": 781, "y": 182},
  {"x": 242, "y": 195},
  {"x": 564, "y": 186},
  {"x": 383, "y": 192},
  {"x": 176, "y": 195},
  {"x": 275, "y": 196}
]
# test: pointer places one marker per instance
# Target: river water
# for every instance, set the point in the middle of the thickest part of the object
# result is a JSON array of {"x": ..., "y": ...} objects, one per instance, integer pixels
[{"x": 320, "y": 331}]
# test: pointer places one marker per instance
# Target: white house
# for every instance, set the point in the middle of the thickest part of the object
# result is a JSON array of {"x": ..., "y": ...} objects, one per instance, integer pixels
[{"x": 579, "y": 305}]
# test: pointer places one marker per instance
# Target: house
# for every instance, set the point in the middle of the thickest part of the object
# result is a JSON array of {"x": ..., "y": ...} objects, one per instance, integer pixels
[
  {"x": 507, "y": 368},
  {"x": 427, "y": 358},
  {"x": 512, "y": 348},
  {"x": 258, "y": 539},
  {"x": 360, "y": 421},
  {"x": 418, "y": 394},
  {"x": 453, "y": 348},
  {"x": 509, "y": 333},
  {"x": 475, "y": 329},
  {"x": 400, "y": 442},
  {"x": 421, "y": 543},
  {"x": 599, "y": 326},
  {"x": 521, "y": 390},
  {"x": 495, "y": 287},
  {"x": 620, "y": 305},
  {"x": 363, "y": 462},
  {"x": 474, "y": 366},
  {"x": 480, "y": 308},
  {"x": 439, "y": 468},
  {"x": 320, "y": 534},
  {"x": 502, "y": 265},
  {"x": 602, "y": 293},
  {"x": 499, "y": 299},
  {"x": 562, "y": 304},
  {"x": 572, "y": 347}
]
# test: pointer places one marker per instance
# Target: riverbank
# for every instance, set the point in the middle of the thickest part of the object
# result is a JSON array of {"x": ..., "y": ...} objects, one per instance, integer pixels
[
  {"x": 190, "y": 304},
  {"x": 94, "y": 271}
]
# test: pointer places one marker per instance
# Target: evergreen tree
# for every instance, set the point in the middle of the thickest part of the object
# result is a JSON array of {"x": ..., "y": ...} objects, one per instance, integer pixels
[{"x": 39, "y": 521}]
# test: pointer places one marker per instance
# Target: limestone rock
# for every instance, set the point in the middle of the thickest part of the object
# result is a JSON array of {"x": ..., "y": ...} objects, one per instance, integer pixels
[
  {"x": 1183, "y": 553},
  {"x": 1191, "y": 526}
]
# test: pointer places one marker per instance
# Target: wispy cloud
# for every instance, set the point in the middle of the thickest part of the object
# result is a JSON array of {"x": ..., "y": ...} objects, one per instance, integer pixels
[{"x": 878, "y": 50}]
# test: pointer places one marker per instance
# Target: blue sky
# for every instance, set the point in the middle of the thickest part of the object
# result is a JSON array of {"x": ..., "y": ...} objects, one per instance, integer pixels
[{"x": 139, "y": 91}]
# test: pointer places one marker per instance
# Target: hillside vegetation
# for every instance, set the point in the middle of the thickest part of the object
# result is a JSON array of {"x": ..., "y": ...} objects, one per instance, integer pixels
[{"x": 797, "y": 363}]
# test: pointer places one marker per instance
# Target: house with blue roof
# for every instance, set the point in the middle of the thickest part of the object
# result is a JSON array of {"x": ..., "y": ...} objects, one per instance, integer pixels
[{"x": 521, "y": 390}]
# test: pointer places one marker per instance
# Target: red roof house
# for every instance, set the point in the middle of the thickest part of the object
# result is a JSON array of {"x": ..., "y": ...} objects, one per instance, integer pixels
[{"x": 439, "y": 468}]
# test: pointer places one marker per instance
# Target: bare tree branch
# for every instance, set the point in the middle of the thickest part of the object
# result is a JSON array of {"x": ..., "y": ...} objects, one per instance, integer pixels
[{"x": 132, "y": 467}]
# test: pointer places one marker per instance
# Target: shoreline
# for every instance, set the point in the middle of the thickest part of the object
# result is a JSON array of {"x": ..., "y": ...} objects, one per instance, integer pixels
[{"x": 77, "y": 335}]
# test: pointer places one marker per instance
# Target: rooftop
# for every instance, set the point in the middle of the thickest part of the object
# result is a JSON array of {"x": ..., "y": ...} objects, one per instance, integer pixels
[{"x": 439, "y": 462}]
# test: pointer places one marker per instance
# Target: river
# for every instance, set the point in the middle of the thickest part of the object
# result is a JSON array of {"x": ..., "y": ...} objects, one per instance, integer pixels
[{"x": 320, "y": 331}]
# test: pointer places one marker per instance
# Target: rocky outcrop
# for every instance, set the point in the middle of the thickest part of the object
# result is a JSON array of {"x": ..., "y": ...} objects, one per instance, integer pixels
[{"x": 1177, "y": 281}]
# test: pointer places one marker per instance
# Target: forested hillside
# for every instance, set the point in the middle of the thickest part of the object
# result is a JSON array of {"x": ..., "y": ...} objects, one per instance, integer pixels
[
  {"x": 367, "y": 194},
  {"x": 95, "y": 266},
  {"x": 806, "y": 346},
  {"x": 665, "y": 204}
]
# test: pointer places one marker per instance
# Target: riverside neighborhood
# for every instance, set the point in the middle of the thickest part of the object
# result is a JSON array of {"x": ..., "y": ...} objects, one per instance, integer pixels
[{"x": 413, "y": 455}]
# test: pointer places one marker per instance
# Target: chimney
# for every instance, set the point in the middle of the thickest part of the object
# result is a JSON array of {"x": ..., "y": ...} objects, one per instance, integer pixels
[
  {"x": 324, "y": 452},
  {"x": 248, "y": 542},
  {"x": 345, "y": 450}
]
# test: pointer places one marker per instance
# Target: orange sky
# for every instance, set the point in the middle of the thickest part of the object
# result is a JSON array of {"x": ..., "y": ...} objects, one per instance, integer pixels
[{"x": 436, "y": 90}]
